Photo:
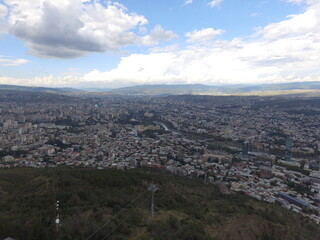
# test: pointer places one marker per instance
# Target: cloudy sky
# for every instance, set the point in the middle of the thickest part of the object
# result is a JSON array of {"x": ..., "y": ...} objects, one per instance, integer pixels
[{"x": 92, "y": 43}]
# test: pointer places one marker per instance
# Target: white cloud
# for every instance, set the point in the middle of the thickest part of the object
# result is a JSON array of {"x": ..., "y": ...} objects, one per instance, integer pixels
[
  {"x": 186, "y": 2},
  {"x": 10, "y": 61},
  {"x": 214, "y": 3},
  {"x": 157, "y": 34},
  {"x": 143, "y": 30},
  {"x": 227, "y": 62},
  {"x": 280, "y": 52},
  {"x": 71, "y": 28},
  {"x": 203, "y": 35},
  {"x": 296, "y": 25}
]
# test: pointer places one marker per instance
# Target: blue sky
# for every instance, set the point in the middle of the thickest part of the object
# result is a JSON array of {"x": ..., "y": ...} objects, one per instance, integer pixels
[{"x": 83, "y": 43}]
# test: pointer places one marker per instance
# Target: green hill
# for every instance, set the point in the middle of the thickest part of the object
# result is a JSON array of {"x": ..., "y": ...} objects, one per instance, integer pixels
[
  {"x": 6, "y": 87},
  {"x": 185, "y": 208},
  {"x": 303, "y": 88}
]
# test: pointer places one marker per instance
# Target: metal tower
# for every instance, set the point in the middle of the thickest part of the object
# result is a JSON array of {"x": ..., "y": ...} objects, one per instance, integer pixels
[{"x": 153, "y": 188}]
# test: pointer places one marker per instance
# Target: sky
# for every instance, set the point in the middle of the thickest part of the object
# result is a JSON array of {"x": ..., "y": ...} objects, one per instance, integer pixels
[{"x": 109, "y": 44}]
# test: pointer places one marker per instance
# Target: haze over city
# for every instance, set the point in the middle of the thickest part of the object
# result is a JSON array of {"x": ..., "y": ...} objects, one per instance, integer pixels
[{"x": 107, "y": 44}]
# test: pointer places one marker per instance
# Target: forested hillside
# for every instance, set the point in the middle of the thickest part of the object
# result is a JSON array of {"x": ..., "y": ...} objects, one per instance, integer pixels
[{"x": 185, "y": 208}]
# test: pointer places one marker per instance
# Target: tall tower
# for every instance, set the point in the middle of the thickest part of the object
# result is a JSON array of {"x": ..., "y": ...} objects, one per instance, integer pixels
[
  {"x": 153, "y": 188},
  {"x": 288, "y": 152},
  {"x": 245, "y": 147},
  {"x": 57, "y": 220}
]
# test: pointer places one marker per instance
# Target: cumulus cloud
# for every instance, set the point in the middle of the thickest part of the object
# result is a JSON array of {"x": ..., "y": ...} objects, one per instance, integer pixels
[
  {"x": 296, "y": 25},
  {"x": 193, "y": 65},
  {"x": 72, "y": 28},
  {"x": 203, "y": 35},
  {"x": 186, "y": 2},
  {"x": 214, "y": 3},
  {"x": 157, "y": 34},
  {"x": 284, "y": 51},
  {"x": 10, "y": 61},
  {"x": 280, "y": 52}
]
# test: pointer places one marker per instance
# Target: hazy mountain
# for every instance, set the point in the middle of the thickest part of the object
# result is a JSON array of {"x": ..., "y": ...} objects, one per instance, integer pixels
[
  {"x": 272, "y": 89},
  {"x": 96, "y": 89},
  {"x": 297, "y": 88},
  {"x": 37, "y": 89},
  {"x": 31, "y": 97},
  {"x": 162, "y": 89}
]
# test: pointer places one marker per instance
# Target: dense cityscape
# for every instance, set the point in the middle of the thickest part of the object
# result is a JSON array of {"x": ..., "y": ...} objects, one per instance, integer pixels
[{"x": 265, "y": 147}]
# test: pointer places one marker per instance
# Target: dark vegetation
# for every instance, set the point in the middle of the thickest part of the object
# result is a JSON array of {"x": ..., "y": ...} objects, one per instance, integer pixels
[
  {"x": 222, "y": 148},
  {"x": 153, "y": 133},
  {"x": 185, "y": 208},
  {"x": 34, "y": 97},
  {"x": 67, "y": 122},
  {"x": 302, "y": 189},
  {"x": 16, "y": 154},
  {"x": 31, "y": 89},
  {"x": 58, "y": 143}
]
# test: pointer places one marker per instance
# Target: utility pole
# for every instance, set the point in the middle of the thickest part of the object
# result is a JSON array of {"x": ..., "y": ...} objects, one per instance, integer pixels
[
  {"x": 57, "y": 221},
  {"x": 153, "y": 188}
]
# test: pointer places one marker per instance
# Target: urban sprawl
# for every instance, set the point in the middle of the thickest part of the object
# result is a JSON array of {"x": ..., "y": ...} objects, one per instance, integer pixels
[{"x": 265, "y": 147}]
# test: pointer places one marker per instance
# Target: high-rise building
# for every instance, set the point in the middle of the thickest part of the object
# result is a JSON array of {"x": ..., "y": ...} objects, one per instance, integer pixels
[
  {"x": 288, "y": 152},
  {"x": 245, "y": 148}
]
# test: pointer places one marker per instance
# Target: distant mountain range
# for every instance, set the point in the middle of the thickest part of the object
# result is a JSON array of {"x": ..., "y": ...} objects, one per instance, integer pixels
[
  {"x": 199, "y": 89},
  {"x": 294, "y": 88},
  {"x": 37, "y": 89}
]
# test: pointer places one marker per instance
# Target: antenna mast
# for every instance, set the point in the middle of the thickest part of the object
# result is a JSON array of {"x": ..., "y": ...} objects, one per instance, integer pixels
[
  {"x": 57, "y": 221},
  {"x": 153, "y": 188}
]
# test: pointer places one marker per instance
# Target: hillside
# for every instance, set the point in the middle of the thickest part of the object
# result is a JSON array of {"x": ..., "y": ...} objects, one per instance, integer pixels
[
  {"x": 307, "y": 89},
  {"x": 163, "y": 89},
  {"x": 34, "y": 97},
  {"x": 185, "y": 208},
  {"x": 37, "y": 89},
  {"x": 294, "y": 88}
]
